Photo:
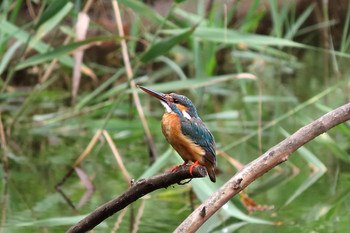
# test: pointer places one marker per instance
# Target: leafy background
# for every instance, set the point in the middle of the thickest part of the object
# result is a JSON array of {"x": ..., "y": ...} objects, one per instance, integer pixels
[{"x": 253, "y": 84}]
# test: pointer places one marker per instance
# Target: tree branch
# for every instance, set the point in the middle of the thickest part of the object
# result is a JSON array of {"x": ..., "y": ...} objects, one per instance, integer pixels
[
  {"x": 136, "y": 191},
  {"x": 274, "y": 156},
  {"x": 271, "y": 158}
]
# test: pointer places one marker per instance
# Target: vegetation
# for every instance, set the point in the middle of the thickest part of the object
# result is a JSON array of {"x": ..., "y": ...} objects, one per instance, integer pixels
[{"x": 251, "y": 90}]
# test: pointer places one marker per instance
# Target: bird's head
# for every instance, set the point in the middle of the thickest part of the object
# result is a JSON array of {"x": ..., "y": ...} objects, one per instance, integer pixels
[{"x": 174, "y": 103}]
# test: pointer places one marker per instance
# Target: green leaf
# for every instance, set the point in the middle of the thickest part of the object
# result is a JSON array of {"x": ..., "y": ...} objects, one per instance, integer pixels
[
  {"x": 99, "y": 89},
  {"x": 54, "y": 19},
  {"x": 191, "y": 83},
  {"x": 32, "y": 96},
  {"x": 327, "y": 141},
  {"x": 266, "y": 98},
  {"x": 174, "y": 66},
  {"x": 333, "y": 146},
  {"x": 204, "y": 188},
  {"x": 7, "y": 57},
  {"x": 38, "y": 45},
  {"x": 229, "y": 36},
  {"x": 230, "y": 114},
  {"x": 164, "y": 46},
  {"x": 232, "y": 227},
  {"x": 291, "y": 112},
  {"x": 301, "y": 19},
  {"x": 15, "y": 11},
  {"x": 59, "y": 221},
  {"x": 190, "y": 18},
  {"x": 252, "y": 18},
  {"x": 324, "y": 207},
  {"x": 276, "y": 18},
  {"x": 60, "y": 51},
  {"x": 53, "y": 8},
  {"x": 159, "y": 164},
  {"x": 319, "y": 170},
  {"x": 142, "y": 9},
  {"x": 180, "y": 1},
  {"x": 345, "y": 39}
]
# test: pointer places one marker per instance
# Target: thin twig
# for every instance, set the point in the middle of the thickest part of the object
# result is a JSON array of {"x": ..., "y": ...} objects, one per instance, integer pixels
[
  {"x": 88, "y": 148},
  {"x": 231, "y": 160},
  {"x": 138, "y": 216},
  {"x": 4, "y": 147},
  {"x": 259, "y": 83},
  {"x": 90, "y": 188},
  {"x": 50, "y": 68},
  {"x": 3, "y": 203},
  {"x": 117, "y": 157},
  {"x": 132, "y": 82},
  {"x": 76, "y": 164},
  {"x": 119, "y": 220},
  {"x": 87, "y": 6}
]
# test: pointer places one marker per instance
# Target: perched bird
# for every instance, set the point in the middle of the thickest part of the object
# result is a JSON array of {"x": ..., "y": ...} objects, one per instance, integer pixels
[{"x": 186, "y": 132}]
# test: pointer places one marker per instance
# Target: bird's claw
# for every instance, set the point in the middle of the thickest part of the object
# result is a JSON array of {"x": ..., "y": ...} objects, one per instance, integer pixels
[
  {"x": 192, "y": 166},
  {"x": 173, "y": 169},
  {"x": 179, "y": 166}
]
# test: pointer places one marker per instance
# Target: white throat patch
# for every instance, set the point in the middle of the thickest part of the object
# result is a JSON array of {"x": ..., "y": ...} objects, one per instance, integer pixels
[
  {"x": 167, "y": 108},
  {"x": 186, "y": 115}
]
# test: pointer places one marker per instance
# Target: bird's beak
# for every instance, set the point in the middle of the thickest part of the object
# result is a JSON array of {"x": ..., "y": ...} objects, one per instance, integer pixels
[{"x": 161, "y": 96}]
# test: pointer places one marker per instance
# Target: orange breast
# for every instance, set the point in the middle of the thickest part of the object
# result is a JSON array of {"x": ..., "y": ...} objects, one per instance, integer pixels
[{"x": 186, "y": 148}]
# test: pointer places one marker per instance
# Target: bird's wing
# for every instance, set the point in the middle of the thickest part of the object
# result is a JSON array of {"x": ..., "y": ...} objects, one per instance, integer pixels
[{"x": 200, "y": 135}]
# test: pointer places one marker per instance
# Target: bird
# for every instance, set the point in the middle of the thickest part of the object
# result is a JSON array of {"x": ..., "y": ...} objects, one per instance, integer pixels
[{"x": 186, "y": 132}]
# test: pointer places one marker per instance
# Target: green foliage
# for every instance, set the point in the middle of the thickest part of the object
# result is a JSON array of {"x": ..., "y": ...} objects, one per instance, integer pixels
[
  {"x": 60, "y": 51},
  {"x": 54, "y": 8},
  {"x": 163, "y": 47},
  {"x": 224, "y": 66}
]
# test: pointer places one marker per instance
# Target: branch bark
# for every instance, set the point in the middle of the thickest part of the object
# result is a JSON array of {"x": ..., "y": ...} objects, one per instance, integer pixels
[
  {"x": 136, "y": 191},
  {"x": 271, "y": 158}
]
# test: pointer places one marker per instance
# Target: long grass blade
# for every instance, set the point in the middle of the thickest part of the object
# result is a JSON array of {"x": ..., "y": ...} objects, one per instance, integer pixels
[
  {"x": 319, "y": 170},
  {"x": 143, "y": 10},
  {"x": 8, "y": 55},
  {"x": 301, "y": 19},
  {"x": 61, "y": 52},
  {"x": 287, "y": 114},
  {"x": 229, "y": 36},
  {"x": 162, "y": 47}
]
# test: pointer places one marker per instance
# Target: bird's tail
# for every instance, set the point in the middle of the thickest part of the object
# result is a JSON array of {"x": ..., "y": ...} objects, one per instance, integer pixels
[{"x": 211, "y": 173}]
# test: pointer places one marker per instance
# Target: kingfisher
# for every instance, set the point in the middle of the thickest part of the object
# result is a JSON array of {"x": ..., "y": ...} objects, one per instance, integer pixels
[{"x": 186, "y": 132}]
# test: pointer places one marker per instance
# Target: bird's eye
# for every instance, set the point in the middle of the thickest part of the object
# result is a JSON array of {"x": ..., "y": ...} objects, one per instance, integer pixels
[{"x": 175, "y": 101}]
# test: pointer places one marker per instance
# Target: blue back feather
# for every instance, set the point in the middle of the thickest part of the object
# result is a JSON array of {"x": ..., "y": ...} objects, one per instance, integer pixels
[
  {"x": 195, "y": 128},
  {"x": 199, "y": 134}
]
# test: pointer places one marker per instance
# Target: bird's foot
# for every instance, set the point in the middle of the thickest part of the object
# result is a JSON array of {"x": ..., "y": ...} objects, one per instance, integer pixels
[
  {"x": 179, "y": 166},
  {"x": 193, "y": 165}
]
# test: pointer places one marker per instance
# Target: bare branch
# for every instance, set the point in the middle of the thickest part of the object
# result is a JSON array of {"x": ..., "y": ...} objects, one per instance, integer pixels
[
  {"x": 242, "y": 179},
  {"x": 138, "y": 190},
  {"x": 271, "y": 158}
]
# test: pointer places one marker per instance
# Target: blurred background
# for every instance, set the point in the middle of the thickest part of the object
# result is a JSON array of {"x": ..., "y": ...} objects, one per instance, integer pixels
[{"x": 74, "y": 129}]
